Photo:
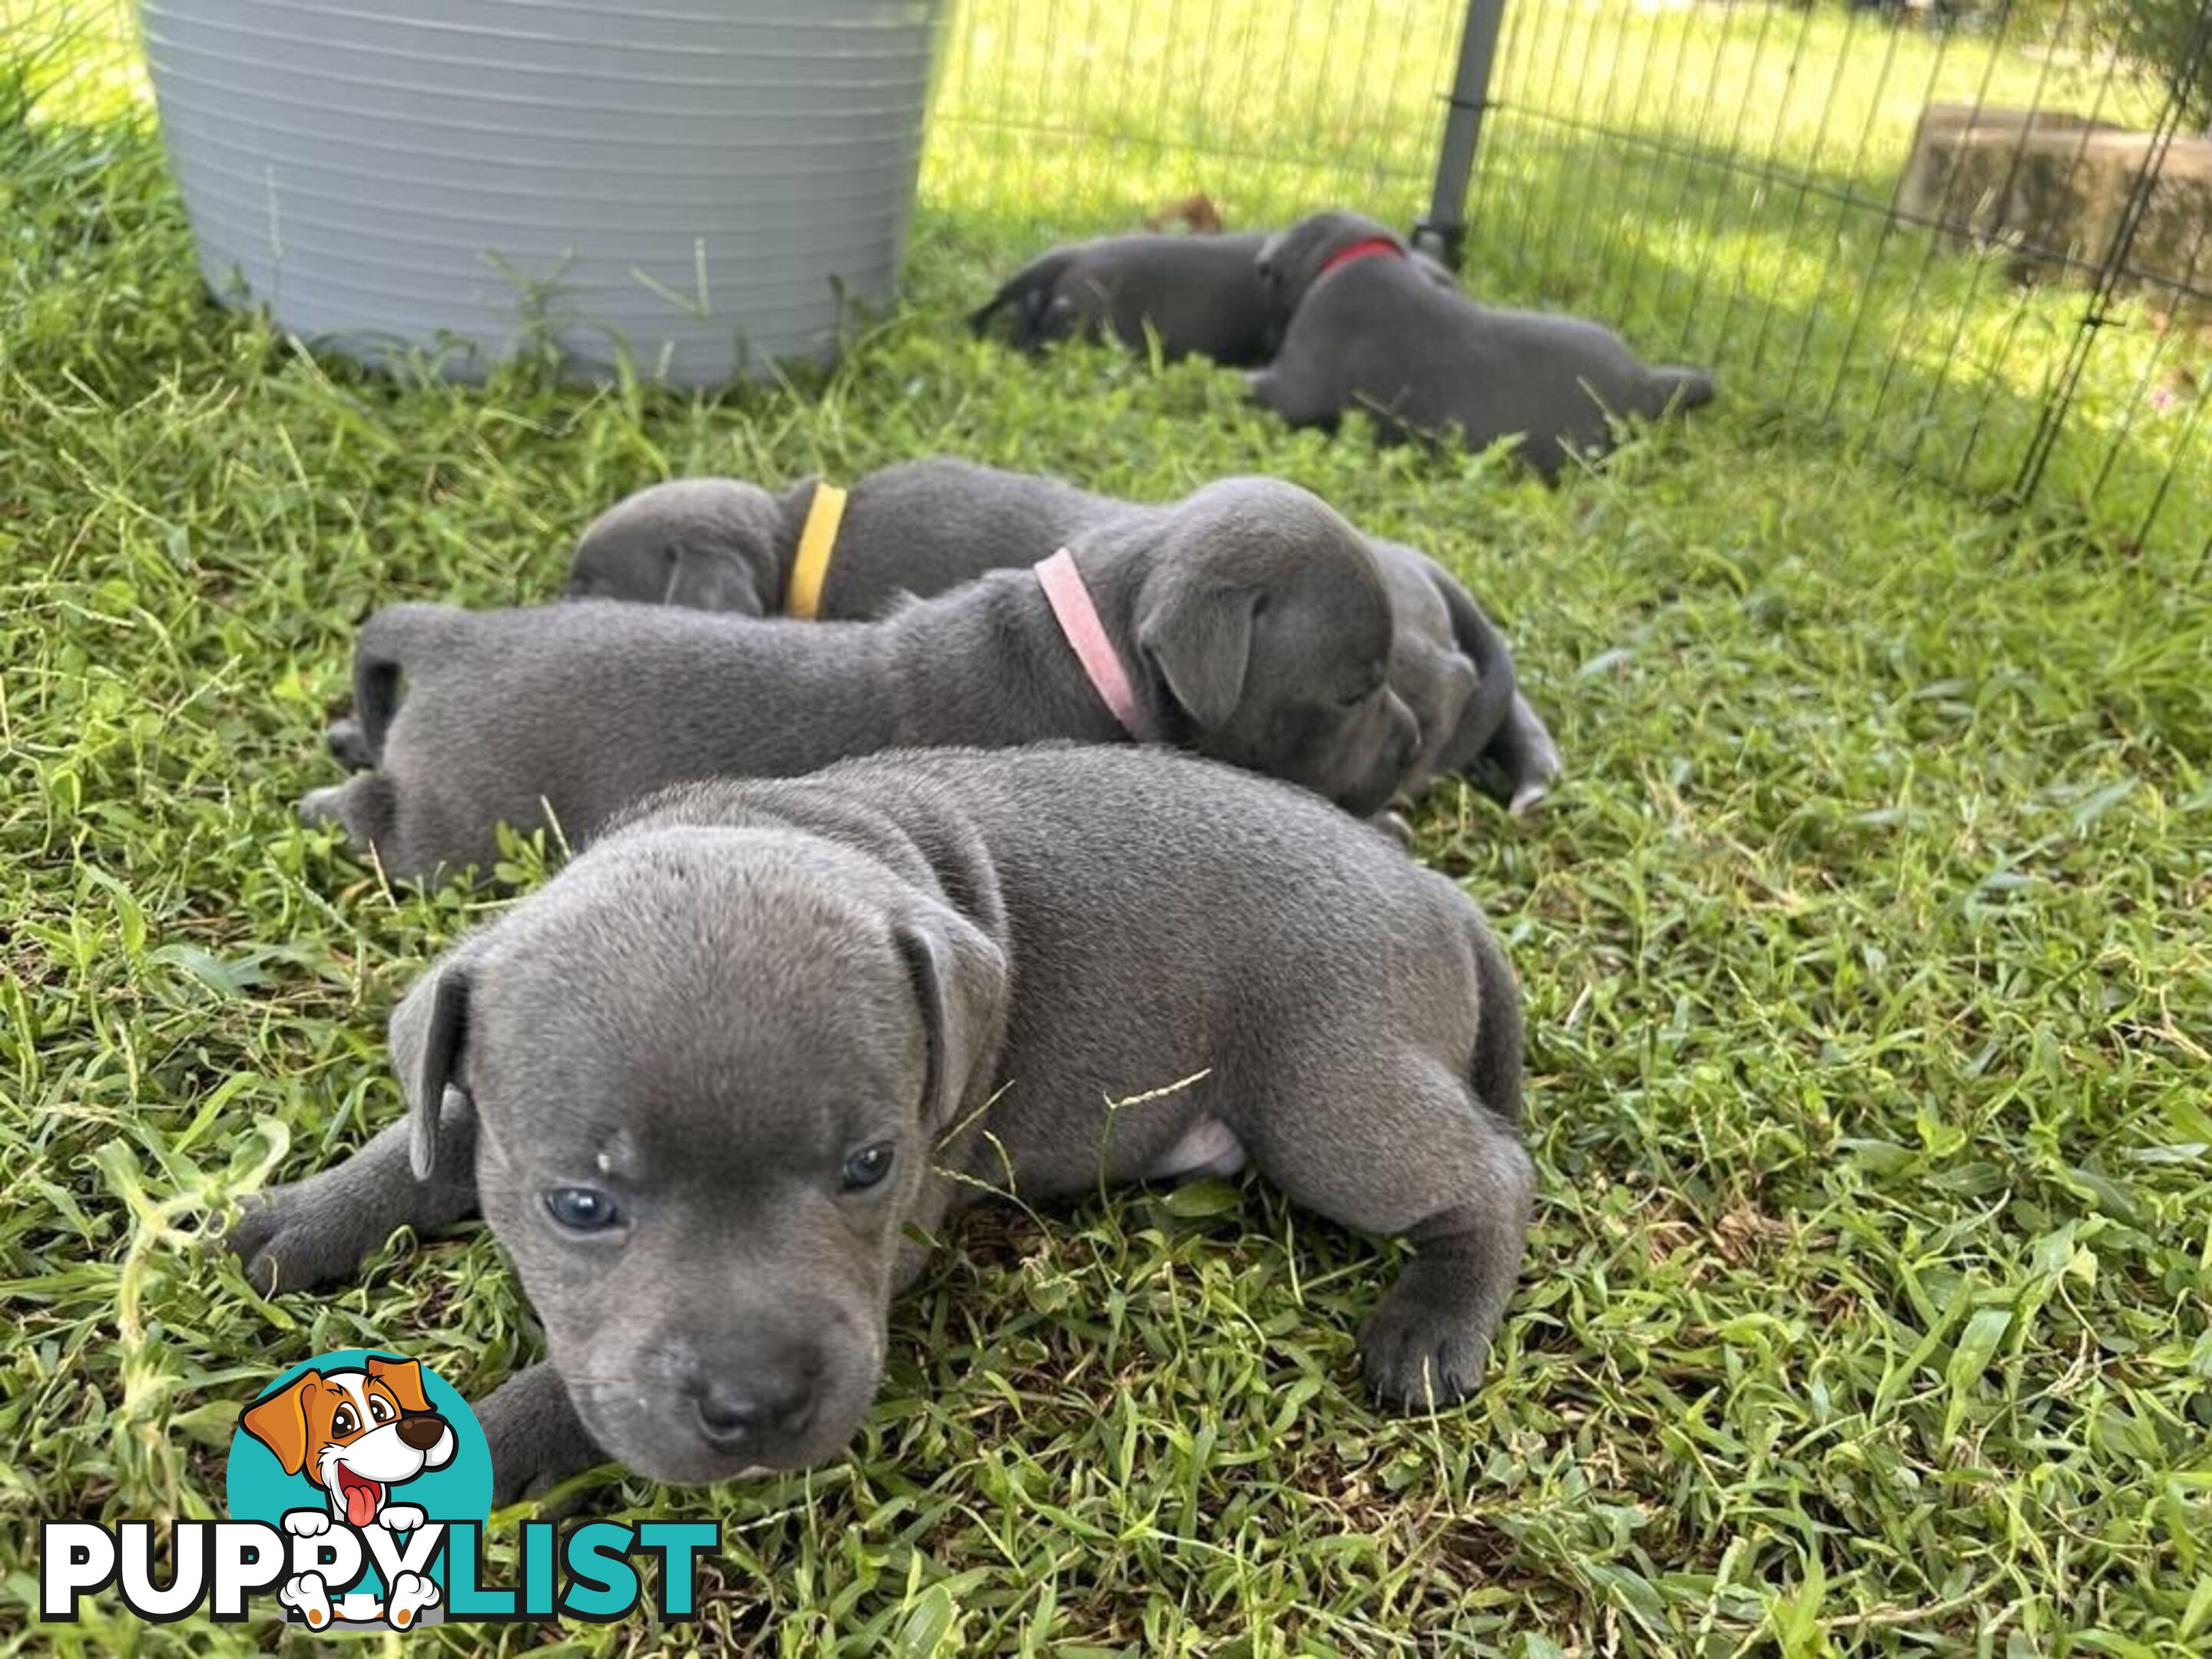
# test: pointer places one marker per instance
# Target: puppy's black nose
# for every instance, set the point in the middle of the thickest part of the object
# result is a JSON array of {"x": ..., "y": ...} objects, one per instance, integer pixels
[
  {"x": 736, "y": 1411},
  {"x": 421, "y": 1430}
]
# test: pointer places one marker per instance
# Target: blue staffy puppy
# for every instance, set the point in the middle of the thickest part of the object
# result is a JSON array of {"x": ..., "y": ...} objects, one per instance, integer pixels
[
  {"x": 1249, "y": 623},
  {"x": 718, "y": 1083},
  {"x": 923, "y": 526},
  {"x": 1368, "y": 331}
]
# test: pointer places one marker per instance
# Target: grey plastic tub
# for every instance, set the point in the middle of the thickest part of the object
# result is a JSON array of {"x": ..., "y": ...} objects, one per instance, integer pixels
[{"x": 712, "y": 185}]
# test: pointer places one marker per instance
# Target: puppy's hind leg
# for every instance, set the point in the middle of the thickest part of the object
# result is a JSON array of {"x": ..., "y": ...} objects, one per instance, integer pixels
[
  {"x": 1281, "y": 388},
  {"x": 1424, "y": 1344},
  {"x": 318, "y": 1229},
  {"x": 1410, "y": 1150},
  {"x": 1680, "y": 388}
]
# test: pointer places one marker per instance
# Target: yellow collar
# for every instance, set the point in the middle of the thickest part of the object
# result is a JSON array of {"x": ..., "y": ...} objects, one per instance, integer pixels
[{"x": 816, "y": 543}]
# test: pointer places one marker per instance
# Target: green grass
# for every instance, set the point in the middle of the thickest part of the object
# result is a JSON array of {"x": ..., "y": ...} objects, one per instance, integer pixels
[{"x": 1865, "y": 951}]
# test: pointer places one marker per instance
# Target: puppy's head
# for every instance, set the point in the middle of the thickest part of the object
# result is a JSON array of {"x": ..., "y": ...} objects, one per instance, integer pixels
[
  {"x": 1264, "y": 619},
  {"x": 708, "y": 1068},
  {"x": 1290, "y": 260},
  {"x": 706, "y": 543}
]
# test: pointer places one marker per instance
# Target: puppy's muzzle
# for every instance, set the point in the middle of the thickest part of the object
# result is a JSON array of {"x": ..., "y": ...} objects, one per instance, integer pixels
[
  {"x": 750, "y": 1411},
  {"x": 420, "y": 1430}
]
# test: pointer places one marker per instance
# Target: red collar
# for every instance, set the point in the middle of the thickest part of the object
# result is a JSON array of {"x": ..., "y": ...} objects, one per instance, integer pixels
[{"x": 1373, "y": 248}]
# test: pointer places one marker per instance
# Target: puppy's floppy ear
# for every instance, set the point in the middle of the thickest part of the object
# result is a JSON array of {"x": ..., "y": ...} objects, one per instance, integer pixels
[
  {"x": 404, "y": 1377},
  {"x": 1267, "y": 263},
  {"x": 280, "y": 1422},
  {"x": 710, "y": 579},
  {"x": 960, "y": 978},
  {"x": 1201, "y": 640},
  {"x": 429, "y": 1030}
]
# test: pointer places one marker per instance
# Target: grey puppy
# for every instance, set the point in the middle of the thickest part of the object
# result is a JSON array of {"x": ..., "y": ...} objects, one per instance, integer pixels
[
  {"x": 715, "y": 1082},
  {"x": 1197, "y": 295},
  {"x": 1249, "y": 619},
  {"x": 924, "y": 527},
  {"x": 1373, "y": 333}
]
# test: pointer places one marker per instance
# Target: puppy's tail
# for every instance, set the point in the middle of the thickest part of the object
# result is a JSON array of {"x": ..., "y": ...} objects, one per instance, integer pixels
[
  {"x": 1681, "y": 388},
  {"x": 386, "y": 640},
  {"x": 1026, "y": 296}
]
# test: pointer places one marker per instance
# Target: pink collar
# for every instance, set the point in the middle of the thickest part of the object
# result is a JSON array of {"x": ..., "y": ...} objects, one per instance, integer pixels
[
  {"x": 1374, "y": 247},
  {"x": 1086, "y": 635}
]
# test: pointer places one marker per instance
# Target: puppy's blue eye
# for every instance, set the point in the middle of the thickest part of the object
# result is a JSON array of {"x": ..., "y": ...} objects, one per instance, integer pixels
[
  {"x": 867, "y": 1166},
  {"x": 582, "y": 1209}
]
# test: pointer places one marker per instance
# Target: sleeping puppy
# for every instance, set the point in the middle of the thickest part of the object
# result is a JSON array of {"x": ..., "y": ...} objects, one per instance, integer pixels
[
  {"x": 1198, "y": 295},
  {"x": 719, "y": 1085},
  {"x": 1366, "y": 330},
  {"x": 915, "y": 528},
  {"x": 924, "y": 527},
  {"x": 1249, "y": 623}
]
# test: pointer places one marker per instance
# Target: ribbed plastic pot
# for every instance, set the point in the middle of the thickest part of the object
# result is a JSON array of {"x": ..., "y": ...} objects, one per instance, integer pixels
[{"x": 713, "y": 186}]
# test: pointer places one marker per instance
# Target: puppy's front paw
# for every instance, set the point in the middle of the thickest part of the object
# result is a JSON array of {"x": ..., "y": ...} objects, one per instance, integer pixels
[
  {"x": 401, "y": 1517},
  {"x": 294, "y": 1238},
  {"x": 349, "y": 744},
  {"x": 307, "y": 1523},
  {"x": 1420, "y": 1350},
  {"x": 324, "y": 805},
  {"x": 535, "y": 1439}
]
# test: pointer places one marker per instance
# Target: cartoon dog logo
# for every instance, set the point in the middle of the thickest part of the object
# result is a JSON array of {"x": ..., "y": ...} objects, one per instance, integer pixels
[{"x": 358, "y": 1435}]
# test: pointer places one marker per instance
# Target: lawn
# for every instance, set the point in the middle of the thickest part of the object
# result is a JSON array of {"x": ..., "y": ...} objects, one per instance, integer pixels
[{"x": 1868, "y": 988}]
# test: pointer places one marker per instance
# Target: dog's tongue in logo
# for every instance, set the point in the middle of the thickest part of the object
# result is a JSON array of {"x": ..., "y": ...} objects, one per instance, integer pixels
[{"x": 362, "y": 1498}]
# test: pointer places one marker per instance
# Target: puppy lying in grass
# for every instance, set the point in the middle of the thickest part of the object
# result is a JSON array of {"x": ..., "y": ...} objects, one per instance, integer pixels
[
  {"x": 1197, "y": 295},
  {"x": 1368, "y": 330},
  {"x": 717, "y": 1084},
  {"x": 1249, "y": 623},
  {"x": 922, "y": 527}
]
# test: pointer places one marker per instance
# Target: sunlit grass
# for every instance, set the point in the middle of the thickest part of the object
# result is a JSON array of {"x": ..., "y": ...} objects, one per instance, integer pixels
[{"x": 1864, "y": 954}]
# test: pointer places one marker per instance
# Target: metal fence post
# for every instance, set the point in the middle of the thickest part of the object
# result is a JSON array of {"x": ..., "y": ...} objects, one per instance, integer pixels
[
  {"x": 1445, "y": 229},
  {"x": 2058, "y": 403}
]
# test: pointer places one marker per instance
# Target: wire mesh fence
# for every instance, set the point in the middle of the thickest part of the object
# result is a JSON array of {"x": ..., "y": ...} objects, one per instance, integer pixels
[
  {"x": 1064, "y": 116},
  {"x": 1972, "y": 236},
  {"x": 1968, "y": 234}
]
